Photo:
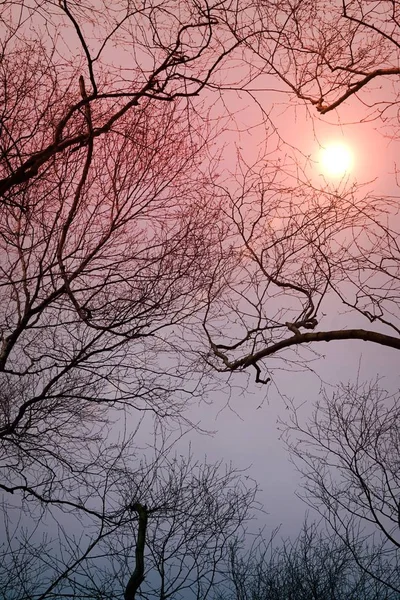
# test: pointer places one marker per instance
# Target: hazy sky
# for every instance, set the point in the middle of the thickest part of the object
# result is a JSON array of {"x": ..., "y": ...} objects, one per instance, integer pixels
[
  {"x": 244, "y": 417},
  {"x": 247, "y": 431}
]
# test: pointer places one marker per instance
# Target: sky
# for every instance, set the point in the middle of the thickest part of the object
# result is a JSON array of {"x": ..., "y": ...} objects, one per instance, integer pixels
[
  {"x": 248, "y": 430},
  {"x": 244, "y": 421}
]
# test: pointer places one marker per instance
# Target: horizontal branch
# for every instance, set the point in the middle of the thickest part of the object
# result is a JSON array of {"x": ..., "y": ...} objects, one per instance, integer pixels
[
  {"x": 356, "y": 87},
  {"x": 308, "y": 338}
]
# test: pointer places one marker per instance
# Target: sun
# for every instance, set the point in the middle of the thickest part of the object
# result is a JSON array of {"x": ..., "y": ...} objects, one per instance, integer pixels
[{"x": 335, "y": 159}]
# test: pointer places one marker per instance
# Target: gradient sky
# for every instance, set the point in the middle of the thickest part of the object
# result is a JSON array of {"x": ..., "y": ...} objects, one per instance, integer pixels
[
  {"x": 248, "y": 432},
  {"x": 244, "y": 417}
]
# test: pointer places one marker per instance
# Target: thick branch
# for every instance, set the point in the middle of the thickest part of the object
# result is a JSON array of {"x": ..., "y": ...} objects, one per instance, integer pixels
[
  {"x": 137, "y": 576},
  {"x": 307, "y": 338},
  {"x": 356, "y": 87}
]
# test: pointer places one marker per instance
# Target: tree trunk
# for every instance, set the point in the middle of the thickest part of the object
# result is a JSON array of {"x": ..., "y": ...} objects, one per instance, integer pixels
[{"x": 137, "y": 576}]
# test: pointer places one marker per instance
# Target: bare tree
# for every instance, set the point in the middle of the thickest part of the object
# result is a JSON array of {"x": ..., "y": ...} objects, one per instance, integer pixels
[
  {"x": 110, "y": 235},
  {"x": 326, "y": 55},
  {"x": 69, "y": 118},
  {"x": 303, "y": 252},
  {"x": 194, "y": 510},
  {"x": 161, "y": 525},
  {"x": 348, "y": 455},
  {"x": 308, "y": 250},
  {"x": 316, "y": 565},
  {"x": 110, "y": 238},
  {"x": 119, "y": 242},
  {"x": 76, "y": 87}
]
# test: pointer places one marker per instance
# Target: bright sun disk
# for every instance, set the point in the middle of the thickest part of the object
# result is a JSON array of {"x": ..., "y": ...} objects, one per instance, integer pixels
[{"x": 335, "y": 160}]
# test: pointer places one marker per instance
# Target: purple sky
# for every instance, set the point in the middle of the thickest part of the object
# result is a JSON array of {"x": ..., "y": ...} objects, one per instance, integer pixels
[{"x": 244, "y": 417}]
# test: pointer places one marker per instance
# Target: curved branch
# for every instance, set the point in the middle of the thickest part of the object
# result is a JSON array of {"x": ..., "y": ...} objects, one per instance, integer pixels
[
  {"x": 307, "y": 338},
  {"x": 137, "y": 576},
  {"x": 354, "y": 88}
]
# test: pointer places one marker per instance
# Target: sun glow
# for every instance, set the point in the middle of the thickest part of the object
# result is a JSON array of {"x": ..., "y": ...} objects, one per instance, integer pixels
[{"x": 335, "y": 160}]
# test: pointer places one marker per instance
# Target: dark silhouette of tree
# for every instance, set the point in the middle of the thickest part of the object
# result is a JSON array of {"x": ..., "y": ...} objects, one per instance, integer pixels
[
  {"x": 110, "y": 234},
  {"x": 303, "y": 252},
  {"x": 307, "y": 248},
  {"x": 316, "y": 565},
  {"x": 110, "y": 237},
  {"x": 160, "y": 527},
  {"x": 328, "y": 54},
  {"x": 72, "y": 87},
  {"x": 347, "y": 455},
  {"x": 129, "y": 266}
]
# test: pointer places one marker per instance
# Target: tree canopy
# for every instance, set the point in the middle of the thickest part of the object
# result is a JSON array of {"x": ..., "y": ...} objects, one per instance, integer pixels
[{"x": 137, "y": 264}]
